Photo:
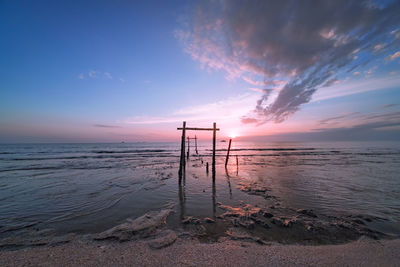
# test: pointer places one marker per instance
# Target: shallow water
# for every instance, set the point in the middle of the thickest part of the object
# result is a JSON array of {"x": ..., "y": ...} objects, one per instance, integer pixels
[{"x": 88, "y": 188}]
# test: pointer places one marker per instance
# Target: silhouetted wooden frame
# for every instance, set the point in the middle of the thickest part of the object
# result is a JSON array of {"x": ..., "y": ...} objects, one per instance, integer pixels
[{"x": 182, "y": 164}]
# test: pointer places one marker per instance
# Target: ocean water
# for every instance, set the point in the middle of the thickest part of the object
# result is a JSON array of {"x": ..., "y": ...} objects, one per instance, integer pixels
[{"x": 88, "y": 188}]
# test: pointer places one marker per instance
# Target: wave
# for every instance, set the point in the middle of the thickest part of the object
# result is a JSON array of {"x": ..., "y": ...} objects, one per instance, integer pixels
[
  {"x": 131, "y": 151},
  {"x": 265, "y": 149},
  {"x": 145, "y": 155},
  {"x": 56, "y": 168}
]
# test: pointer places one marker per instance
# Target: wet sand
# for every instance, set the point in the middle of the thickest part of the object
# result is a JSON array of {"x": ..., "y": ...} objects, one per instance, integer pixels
[
  {"x": 186, "y": 252},
  {"x": 279, "y": 193},
  {"x": 239, "y": 220}
]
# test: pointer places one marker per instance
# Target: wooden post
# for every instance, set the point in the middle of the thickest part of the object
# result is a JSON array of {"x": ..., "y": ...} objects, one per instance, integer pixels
[
  {"x": 188, "y": 152},
  {"x": 182, "y": 159},
  {"x": 207, "y": 167},
  {"x": 214, "y": 143},
  {"x": 195, "y": 142},
  {"x": 227, "y": 154}
]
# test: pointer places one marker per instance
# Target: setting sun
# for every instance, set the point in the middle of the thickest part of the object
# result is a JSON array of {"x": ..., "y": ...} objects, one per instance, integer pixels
[{"x": 233, "y": 134}]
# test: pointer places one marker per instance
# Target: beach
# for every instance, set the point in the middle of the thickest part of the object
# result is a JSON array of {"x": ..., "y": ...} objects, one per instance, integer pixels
[
  {"x": 200, "y": 133},
  {"x": 122, "y": 204},
  {"x": 193, "y": 253}
]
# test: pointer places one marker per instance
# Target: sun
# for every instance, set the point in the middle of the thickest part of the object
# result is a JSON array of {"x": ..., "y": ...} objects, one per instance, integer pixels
[{"x": 232, "y": 134}]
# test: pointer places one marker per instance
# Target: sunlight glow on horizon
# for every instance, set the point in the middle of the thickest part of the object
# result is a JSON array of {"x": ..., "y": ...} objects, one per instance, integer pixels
[{"x": 233, "y": 134}]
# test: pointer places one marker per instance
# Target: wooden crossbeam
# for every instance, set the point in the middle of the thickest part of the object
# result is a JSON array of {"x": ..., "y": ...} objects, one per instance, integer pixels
[{"x": 199, "y": 129}]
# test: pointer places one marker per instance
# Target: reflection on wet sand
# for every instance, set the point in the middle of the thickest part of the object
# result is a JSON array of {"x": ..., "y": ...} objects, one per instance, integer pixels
[
  {"x": 228, "y": 179},
  {"x": 213, "y": 199},
  {"x": 182, "y": 200}
]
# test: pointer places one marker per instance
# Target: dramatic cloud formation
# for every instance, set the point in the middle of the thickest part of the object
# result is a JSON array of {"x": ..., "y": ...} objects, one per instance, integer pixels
[{"x": 290, "y": 48}]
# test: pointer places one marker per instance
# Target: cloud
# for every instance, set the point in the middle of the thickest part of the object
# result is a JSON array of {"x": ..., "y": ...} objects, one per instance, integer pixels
[
  {"x": 92, "y": 73},
  {"x": 358, "y": 121},
  {"x": 385, "y": 117},
  {"x": 356, "y": 87},
  {"x": 98, "y": 74},
  {"x": 229, "y": 109},
  {"x": 379, "y": 47},
  {"x": 396, "y": 33},
  {"x": 274, "y": 83},
  {"x": 306, "y": 44},
  {"x": 369, "y": 72},
  {"x": 362, "y": 127},
  {"x": 108, "y": 75},
  {"x": 389, "y": 105},
  {"x": 395, "y": 55},
  {"x": 337, "y": 118},
  {"x": 255, "y": 89},
  {"x": 365, "y": 131},
  {"x": 81, "y": 76},
  {"x": 105, "y": 126},
  {"x": 331, "y": 82},
  {"x": 351, "y": 126},
  {"x": 249, "y": 120}
]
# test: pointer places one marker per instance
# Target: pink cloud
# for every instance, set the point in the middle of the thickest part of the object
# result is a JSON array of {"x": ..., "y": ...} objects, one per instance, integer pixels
[{"x": 395, "y": 55}]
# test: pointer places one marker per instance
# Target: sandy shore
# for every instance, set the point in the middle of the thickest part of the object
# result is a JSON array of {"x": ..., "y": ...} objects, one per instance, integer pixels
[{"x": 192, "y": 253}]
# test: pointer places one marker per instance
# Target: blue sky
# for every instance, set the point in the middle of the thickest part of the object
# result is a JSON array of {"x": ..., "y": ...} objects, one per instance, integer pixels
[{"x": 124, "y": 70}]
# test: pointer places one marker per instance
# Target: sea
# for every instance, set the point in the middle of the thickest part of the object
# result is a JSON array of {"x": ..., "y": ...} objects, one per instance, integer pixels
[{"x": 88, "y": 188}]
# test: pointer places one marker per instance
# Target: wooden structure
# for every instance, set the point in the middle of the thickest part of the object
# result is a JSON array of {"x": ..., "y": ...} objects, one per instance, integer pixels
[
  {"x": 182, "y": 165},
  {"x": 227, "y": 154},
  {"x": 188, "y": 145},
  {"x": 195, "y": 143}
]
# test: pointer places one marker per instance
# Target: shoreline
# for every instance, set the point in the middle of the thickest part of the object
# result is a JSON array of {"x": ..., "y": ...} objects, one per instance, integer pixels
[
  {"x": 187, "y": 252},
  {"x": 263, "y": 225}
]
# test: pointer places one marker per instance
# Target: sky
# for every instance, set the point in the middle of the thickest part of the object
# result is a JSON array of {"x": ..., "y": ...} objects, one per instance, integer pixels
[{"x": 112, "y": 71}]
